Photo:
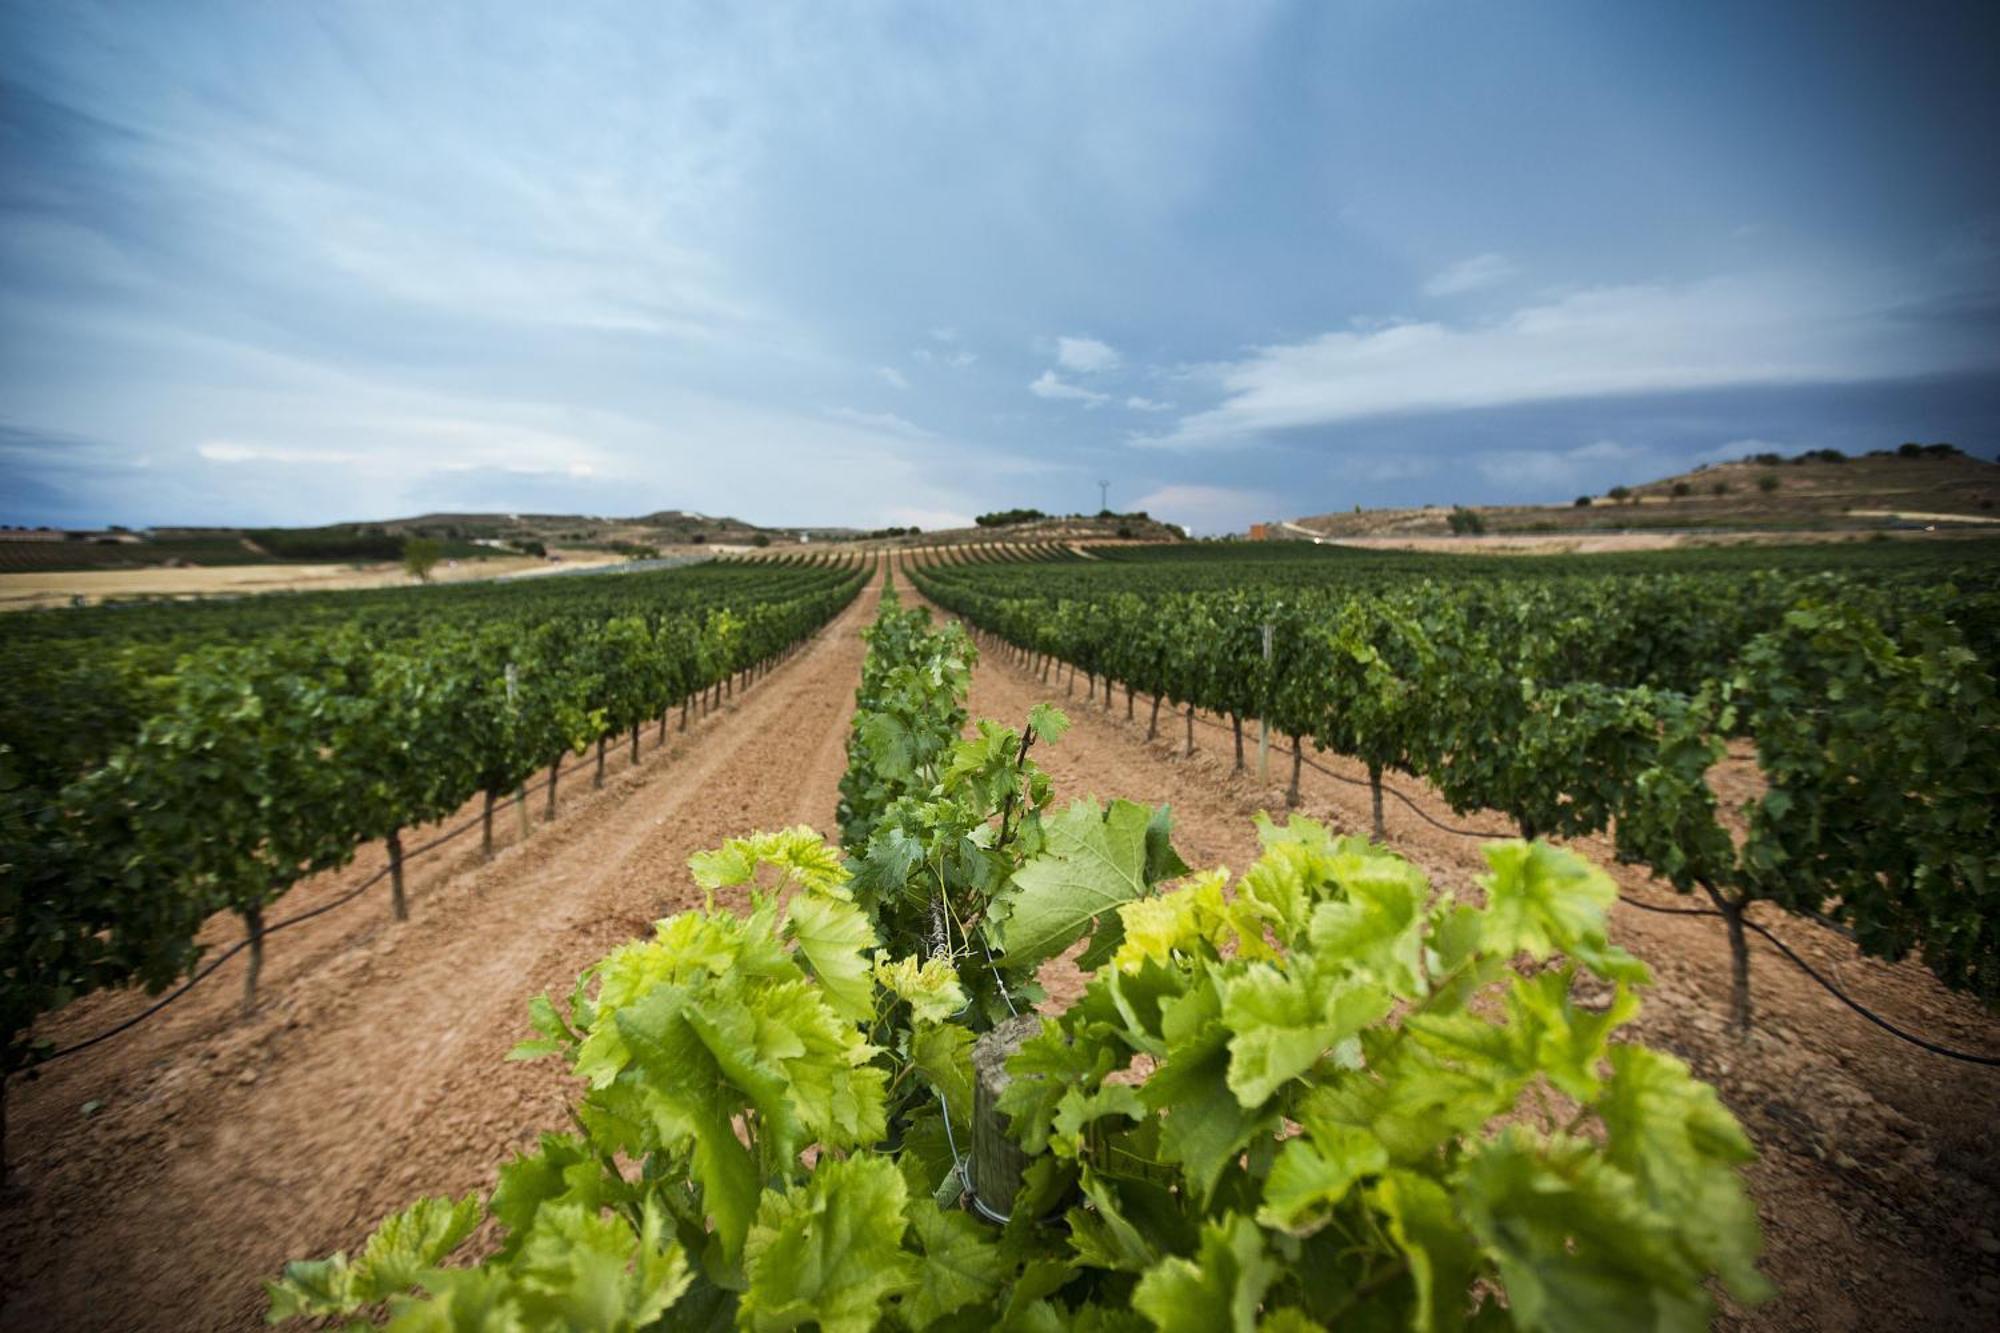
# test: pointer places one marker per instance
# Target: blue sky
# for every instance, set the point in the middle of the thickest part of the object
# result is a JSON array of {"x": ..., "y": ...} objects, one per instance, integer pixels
[{"x": 886, "y": 263}]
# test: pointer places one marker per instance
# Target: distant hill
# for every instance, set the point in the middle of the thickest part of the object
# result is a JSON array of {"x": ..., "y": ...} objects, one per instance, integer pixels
[
  {"x": 461, "y": 536},
  {"x": 1061, "y": 528},
  {"x": 477, "y": 536},
  {"x": 1818, "y": 491}
]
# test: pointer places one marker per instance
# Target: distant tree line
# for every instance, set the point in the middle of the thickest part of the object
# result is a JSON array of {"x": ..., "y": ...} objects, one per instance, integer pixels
[
  {"x": 342, "y": 544},
  {"x": 1910, "y": 450},
  {"x": 1008, "y": 517}
]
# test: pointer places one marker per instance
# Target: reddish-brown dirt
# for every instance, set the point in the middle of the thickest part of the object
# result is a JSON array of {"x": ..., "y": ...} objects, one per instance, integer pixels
[
  {"x": 1878, "y": 1175},
  {"x": 215, "y": 1148}
]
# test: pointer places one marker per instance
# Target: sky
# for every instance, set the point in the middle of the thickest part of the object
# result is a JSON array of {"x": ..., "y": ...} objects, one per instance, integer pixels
[{"x": 879, "y": 263}]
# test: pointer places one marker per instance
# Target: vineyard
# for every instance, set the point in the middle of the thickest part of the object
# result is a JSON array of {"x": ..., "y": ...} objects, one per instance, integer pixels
[
  {"x": 160, "y": 764},
  {"x": 1573, "y": 703},
  {"x": 984, "y": 1050}
]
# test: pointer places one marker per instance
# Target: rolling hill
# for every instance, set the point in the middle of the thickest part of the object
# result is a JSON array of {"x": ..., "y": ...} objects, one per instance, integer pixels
[{"x": 1819, "y": 491}]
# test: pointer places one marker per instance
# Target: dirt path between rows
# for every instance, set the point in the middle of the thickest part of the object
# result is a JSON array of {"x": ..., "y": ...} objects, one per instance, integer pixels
[
  {"x": 1878, "y": 1179},
  {"x": 217, "y": 1148}
]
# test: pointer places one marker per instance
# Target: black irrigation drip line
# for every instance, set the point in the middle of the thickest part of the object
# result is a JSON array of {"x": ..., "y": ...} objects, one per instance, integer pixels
[
  {"x": 1990, "y": 1061},
  {"x": 148, "y": 1011},
  {"x": 207, "y": 969},
  {"x": 298, "y": 918},
  {"x": 1415, "y": 809}
]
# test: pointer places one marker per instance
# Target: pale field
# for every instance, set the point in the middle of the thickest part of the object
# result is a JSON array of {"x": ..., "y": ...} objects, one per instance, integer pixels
[{"x": 19, "y": 592}]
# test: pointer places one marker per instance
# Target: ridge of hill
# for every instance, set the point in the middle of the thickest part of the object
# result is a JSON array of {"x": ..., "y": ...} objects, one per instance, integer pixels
[
  {"x": 1817, "y": 491},
  {"x": 460, "y": 536}
]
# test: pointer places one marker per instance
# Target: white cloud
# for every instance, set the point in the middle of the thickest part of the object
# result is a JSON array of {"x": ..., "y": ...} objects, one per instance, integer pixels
[
  {"x": 1607, "y": 451},
  {"x": 364, "y": 447},
  {"x": 1549, "y": 473},
  {"x": 892, "y": 377},
  {"x": 958, "y": 359},
  {"x": 882, "y": 421},
  {"x": 1600, "y": 342},
  {"x": 1051, "y": 385},
  {"x": 1138, "y": 404},
  {"x": 1207, "y": 509},
  {"x": 945, "y": 335},
  {"x": 930, "y": 520},
  {"x": 229, "y": 451},
  {"x": 1085, "y": 355},
  {"x": 1469, "y": 275}
]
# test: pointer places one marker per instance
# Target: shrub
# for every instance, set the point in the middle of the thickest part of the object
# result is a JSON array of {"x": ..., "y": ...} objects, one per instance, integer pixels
[
  {"x": 1465, "y": 522},
  {"x": 1719, "y": 488},
  {"x": 420, "y": 557},
  {"x": 1582, "y": 502},
  {"x": 1767, "y": 483},
  {"x": 1681, "y": 489},
  {"x": 1620, "y": 493}
]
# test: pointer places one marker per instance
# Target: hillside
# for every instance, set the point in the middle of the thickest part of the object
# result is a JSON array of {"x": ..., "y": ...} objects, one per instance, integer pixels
[
  {"x": 1064, "y": 528},
  {"x": 1814, "y": 492},
  {"x": 461, "y": 536}
]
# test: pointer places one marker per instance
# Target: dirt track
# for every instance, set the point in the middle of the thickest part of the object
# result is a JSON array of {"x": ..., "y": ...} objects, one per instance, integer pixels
[
  {"x": 373, "y": 1072},
  {"x": 1878, "y": 1180}
]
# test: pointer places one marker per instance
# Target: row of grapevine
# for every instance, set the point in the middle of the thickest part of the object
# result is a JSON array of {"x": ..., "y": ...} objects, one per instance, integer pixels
[
  {"x": 81, "y": 681},
  {"x": 240, "y": 768},
  {"x": 935, "y": 825},
  {"x": 1274, "y": 1108},
  {"x": 1580, "y": 705}
]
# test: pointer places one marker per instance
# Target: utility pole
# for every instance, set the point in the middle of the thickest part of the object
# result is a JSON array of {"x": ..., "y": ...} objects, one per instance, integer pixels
[{"x": 1103, "y": 496}]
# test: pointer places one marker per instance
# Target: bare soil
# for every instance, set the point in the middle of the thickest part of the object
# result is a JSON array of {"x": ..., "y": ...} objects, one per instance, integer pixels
[
  {"x": 19, "y": 592},
  {"x": 215, "y": 1148},
  {"x": 1878, "y": 1175}
]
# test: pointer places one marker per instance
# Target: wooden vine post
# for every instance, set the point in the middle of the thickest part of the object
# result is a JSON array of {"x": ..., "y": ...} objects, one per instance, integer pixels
[
  {"x": 521, "y": 791},
  {"x": 997, "y": 1161},
  {"x": 397, "y": 901},
  {"x": 1264, "y": 718}
]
